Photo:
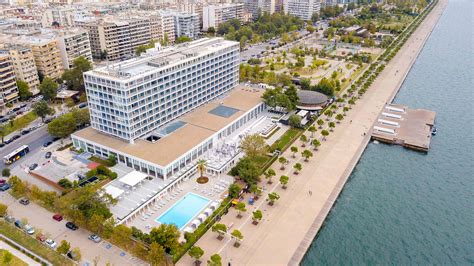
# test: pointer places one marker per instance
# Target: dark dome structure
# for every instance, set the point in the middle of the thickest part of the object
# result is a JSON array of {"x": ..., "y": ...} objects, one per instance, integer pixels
[{"x": 311, "y": 100}]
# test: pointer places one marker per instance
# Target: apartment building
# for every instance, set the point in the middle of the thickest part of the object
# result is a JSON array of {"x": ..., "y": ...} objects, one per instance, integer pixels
[
  {"x": 303, "y": 9},
  {"x": 214, "y": 15},
  {"x": 8, "y": 88},
  {"x": 255, "y": 7},
  {"x": 114, "y": 38},
  {"x": 24, "y": 65},
  {"x": 186, "y": 24},
  {"x": 61, "y": 16},
  {"x": 161, "y": 26},
  {"x": 193, "y": 8},
  {"x": 73, "y": 43},
  {"x": 131, "y": 99},
  {"x": 46, "y": 54}
]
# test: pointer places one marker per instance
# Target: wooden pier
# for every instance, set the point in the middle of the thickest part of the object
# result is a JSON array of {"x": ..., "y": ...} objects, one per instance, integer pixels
[{"x": 411, "y": 128}]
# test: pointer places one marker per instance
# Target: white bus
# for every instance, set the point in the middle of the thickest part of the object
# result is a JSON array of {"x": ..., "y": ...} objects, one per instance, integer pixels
[{"x": 16, "y": 154}]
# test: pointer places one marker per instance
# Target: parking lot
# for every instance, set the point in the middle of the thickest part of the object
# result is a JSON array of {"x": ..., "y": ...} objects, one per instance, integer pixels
[{"x": 101, "y": 253}]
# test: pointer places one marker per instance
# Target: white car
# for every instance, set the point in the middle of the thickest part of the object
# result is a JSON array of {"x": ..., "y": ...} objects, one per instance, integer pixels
[
  {"x": 29, "y": 229},
  {"x": 51, "y": 243}
]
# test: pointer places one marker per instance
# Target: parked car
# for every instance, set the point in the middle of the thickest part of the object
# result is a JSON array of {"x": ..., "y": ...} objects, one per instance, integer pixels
[
  {"x": 41, "y": 237},
  {"x": 2, "y": 181},
  {"x": 22, "y": 106},
  {"x": 9, "y": 218},
  {"x": 18, "y": 224},
  {"x": 58, "y": 217},
  {"x": 82, "y": 105},
  {"x": 71, "y": 226},
  {"x": 15, "y": 137},
  {"x": 33, "y": 166},
  {"x": 8, "y": 141},
  {"x": 48, "y": 120},
  {"x": 47, "y": 155},
  {"x": 24, "y": 201},
  {"x": 46, "y": 144},
  {"x": 2, "y": 145},
  {"x": 4, "y": 187},
  {"x": 29, "y": 229},
  {"x": 3, "y": 119},
  {"x": 25, "y": 131},
  {"x": 95, "y": 238},
  {"x": 51, "y": 243}
]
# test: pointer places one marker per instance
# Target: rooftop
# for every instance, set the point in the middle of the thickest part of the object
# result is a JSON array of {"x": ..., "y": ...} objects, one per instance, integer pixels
[
  {"x": 199, "y": 125},
  {"x": 311, "y": 97},
  {"x": 155, "y": 61}
]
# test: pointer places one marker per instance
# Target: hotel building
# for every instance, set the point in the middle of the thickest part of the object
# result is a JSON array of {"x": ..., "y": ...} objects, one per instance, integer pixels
[
  {"x": 158, "y": 113},
  {"x": 303, "y": 9}
]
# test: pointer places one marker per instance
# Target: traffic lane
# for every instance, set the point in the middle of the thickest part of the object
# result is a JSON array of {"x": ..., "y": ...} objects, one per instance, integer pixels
[
  {"x": 34, "y": 140},
  {"x": 41, "y": 219}
]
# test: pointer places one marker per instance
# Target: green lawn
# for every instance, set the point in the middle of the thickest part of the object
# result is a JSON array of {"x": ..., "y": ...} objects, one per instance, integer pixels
[
  {"x": 20, "y": 122},
  {"x": 32, "y": 244},
  {"x": 286, "y": 139},
  {"x": 15, "y": 261}
]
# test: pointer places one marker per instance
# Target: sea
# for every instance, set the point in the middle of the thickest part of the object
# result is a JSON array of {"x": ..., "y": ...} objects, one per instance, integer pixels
[{"x": 402, "y": 207}]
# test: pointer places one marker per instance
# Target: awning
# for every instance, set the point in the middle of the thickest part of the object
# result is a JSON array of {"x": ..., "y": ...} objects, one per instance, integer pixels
[
  {"x": 196, "y": 223},
  {"x": 214, "y": 205},
  {"x": 133, "y": 178},
  {"x": 202, "y": 217},
  {"x": 113, "y": 191},
  {"x": 302, "y": 113},
  {"x": 208, "y": 211}
]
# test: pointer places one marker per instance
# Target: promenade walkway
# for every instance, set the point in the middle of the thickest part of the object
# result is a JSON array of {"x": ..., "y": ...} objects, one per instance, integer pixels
[
  {"x": 18, "y": 254},
  {"x": 289, "y": 226}
]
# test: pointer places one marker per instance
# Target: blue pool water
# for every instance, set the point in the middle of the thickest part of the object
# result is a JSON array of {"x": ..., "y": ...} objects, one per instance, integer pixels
[{"x": 184, "y": 210}]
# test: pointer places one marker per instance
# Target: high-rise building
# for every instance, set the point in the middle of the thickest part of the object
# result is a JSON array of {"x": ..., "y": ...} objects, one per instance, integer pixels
[
  {"x": 193, "y": 8},
  {"x": 303, "y": 9},
  {"x": 8, "y": 88},
  {"x": 162, "y": 27},
  {"x": 256, "y": 7},
  {"x": 73, "y": 43},
  {"x": 132, "y": 98},
  {"x": 59, "y": 16},
  {"x": 185, "y": 24},
  {"x": 214, "y": 15},
  {"x": 46, "y": 53},
  {"x": 24, "y": 65}
]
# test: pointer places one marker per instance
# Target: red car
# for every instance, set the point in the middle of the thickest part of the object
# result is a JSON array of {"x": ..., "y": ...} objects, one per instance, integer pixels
[
  {"x": 58, "y": 217},
  {"x": 2, "y": 181},
  {"x": 41, "y": 237}
]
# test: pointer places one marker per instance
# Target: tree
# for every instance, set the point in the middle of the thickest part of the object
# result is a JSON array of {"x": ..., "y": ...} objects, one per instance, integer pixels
[
  {"x": 121, "y": 235},
  {"x": 182, "y": 39},
  {"x": 48, "y": 88},
  {"x": 220, "y": 229},
  {"x": 294, "y": 120},
  {"x": 167, "y": 235},
  {"x": 312, "y": 130},
  {"x": 3, "y": 210},
  {"x": 331, "y": 125},
  {"x": 81, "y": 116},
  {"x": 6, "y": 172},
  {"x": 294, "y": 150},
  {"x": 23, "y": 90},
  {"x": 64, "y": 247},
  {"x": 7, "y": 257},
  {"x": 211, "y": 31},
  {"x": 3, "y": 131},
  {"x": 156, "y": 254},
  {"x": 316, "y": 143},
  {"x": 305, "y": 84},
  {"x": 257, "y": 216},
  {"x": 325, "y": 133},
  {"x": 42, "y": 109},
  {"x": 306, "y": 154},
  {"x": 215, "y": 260},
  {"x": 320, "y": 123},
  {"x": 237, "y": 235},
  {"x": 74, "y": 77},
  {"x": 269, "y": 174},
  {"x": 303, "y": 140},
  {"x": 284, "y": 181},
  {"x": 310, "y": 29},
  {"x": 283, "y": 161},
  {"x": 196, "y": 252},
  {"x": 62, "y": 126},
  {"x": 256, "y": 190},
  {"x": 201, "y": 166},
  {"x": 297, "y": 167},
  {"x": 345, "y": 109},
  {"x": 247, "y": 170},
  {"x": 240, "y": 207},
  {"x": 65, "y": 183},
  {"x": 339, "y": 118},
  {"x": 112, "y": 160},
  {"x": 234, "y": 191},
  {"x": 254, "y": 145},
  {"x": 19, "y": 187},
  {"x": 315, "y": 17},
  {"x": 272, "y": 197}
]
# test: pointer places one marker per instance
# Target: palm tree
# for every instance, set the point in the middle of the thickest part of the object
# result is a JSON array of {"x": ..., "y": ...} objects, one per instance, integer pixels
[{"x": 201, "y": 166}]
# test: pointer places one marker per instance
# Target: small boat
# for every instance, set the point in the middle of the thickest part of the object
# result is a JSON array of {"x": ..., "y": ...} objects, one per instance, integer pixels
[{"x": 434, "y": 131}]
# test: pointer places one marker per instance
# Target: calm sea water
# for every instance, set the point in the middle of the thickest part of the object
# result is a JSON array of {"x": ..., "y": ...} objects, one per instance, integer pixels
[{"x": 402, "y": 207}]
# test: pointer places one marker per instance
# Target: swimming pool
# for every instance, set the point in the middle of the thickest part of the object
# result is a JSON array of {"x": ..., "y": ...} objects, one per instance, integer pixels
[{"x": 184, "y": 210}]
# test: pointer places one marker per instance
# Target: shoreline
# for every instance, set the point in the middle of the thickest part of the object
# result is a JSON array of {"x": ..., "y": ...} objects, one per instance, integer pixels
[
  {"x": 288, "y": 228},
  {"x": 307, "y": 241}
]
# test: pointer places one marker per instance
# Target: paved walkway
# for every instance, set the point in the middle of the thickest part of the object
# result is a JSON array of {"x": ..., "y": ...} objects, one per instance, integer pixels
[
  {"x": 18, "y": 254},
  {"x": 276, "y": 239}
]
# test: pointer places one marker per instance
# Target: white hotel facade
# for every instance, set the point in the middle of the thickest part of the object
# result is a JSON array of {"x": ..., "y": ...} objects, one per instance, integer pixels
[{"x": 134, "y": 106}]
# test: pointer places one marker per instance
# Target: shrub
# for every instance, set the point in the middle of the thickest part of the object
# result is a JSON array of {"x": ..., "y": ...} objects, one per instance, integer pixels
[{"x": 6, "y": 172}]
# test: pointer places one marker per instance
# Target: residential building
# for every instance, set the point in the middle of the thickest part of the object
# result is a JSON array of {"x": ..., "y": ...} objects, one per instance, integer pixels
[
  {"x": 8, "y": 88},
  {"x": 24, "y": 65},
  {"x": 256, "y": 7},
  {"x": 185, "y": 24},
  {"x": 116, "y": 38},
  {"x": 303, "y": 9},
  {"x": 214, "y": 15},
  {"x": 73, "y": 43},
  {"x": 193, "y": 8},
  {"x": 46, "y": 53},
  {"x": 60, "y": 16}
]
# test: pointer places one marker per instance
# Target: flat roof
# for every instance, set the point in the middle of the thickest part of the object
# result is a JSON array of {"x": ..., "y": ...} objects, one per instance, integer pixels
[{"x": 200, "y": 125}]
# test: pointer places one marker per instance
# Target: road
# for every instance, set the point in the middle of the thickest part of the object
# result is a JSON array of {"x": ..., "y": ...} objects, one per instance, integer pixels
[{"x": 41, "y": 220}]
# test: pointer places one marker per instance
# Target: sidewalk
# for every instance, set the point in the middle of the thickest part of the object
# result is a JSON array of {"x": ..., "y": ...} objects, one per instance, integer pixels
[{"x": 18, "y": 254}]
